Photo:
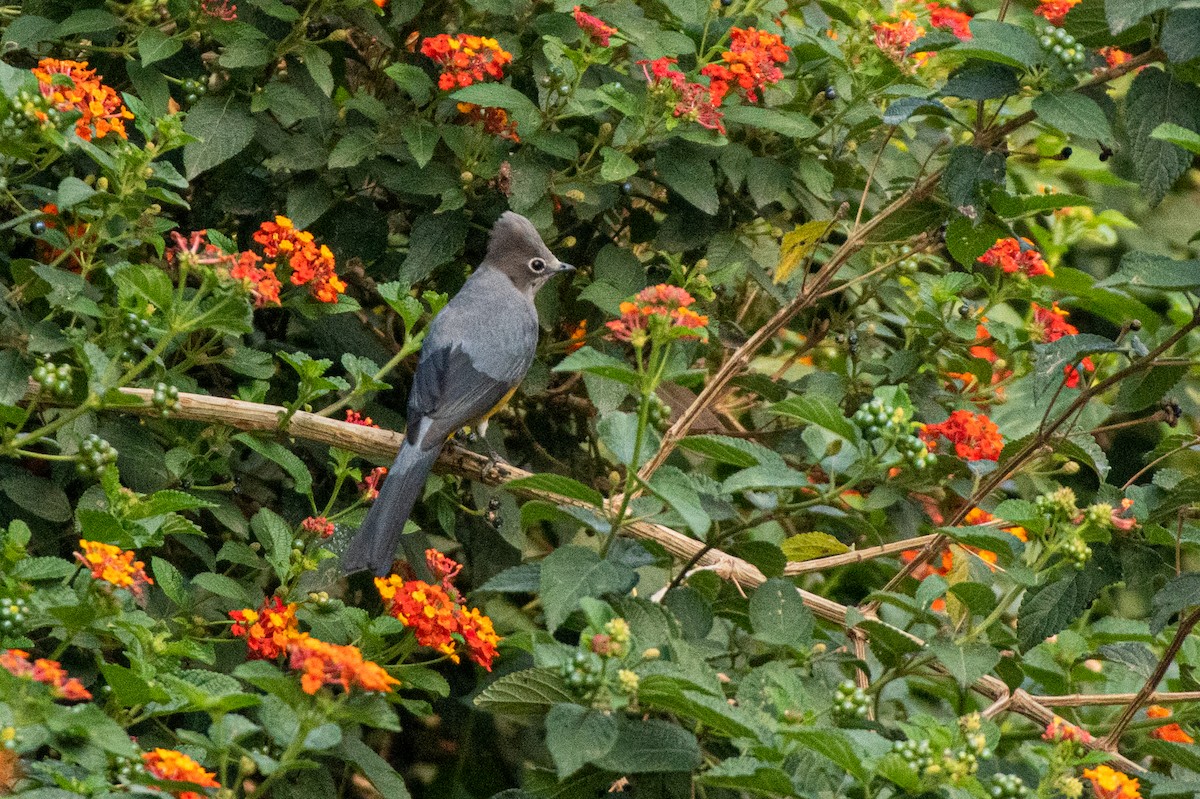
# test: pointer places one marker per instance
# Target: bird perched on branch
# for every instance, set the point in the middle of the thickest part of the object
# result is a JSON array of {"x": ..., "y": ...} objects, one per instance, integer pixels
[{"x": 475, "y": 354}]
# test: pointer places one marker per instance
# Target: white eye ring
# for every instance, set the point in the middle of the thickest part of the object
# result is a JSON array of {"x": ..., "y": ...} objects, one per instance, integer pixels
[{"x": 537, "y": 265}]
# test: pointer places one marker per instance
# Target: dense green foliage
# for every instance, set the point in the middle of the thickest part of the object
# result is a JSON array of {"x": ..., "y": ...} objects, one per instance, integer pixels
[{"x": 883, "y": 241}]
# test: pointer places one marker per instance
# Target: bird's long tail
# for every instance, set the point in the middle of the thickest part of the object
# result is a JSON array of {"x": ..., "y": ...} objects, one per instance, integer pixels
[{"x": 374, "y": 546}]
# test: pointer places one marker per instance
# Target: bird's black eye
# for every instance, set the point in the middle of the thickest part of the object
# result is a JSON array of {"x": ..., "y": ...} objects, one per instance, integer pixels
[{"x": 537, "y": 265}]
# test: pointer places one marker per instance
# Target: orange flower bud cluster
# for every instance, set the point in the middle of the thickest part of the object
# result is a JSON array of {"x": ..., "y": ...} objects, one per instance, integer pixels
[
  {"x": 1016, "y": 257},
  {"x": 72, "y": 87},
  {"x": 668, "y": 305},
  {"x": 465, "y": 59},
  {"x": 48, "y": 672},
  {"x": 171, "y": 766},
  {"x": 951, "y": 19},
  {"x": 494, "y": 120},
  {"x": 1168, "y": 732}
]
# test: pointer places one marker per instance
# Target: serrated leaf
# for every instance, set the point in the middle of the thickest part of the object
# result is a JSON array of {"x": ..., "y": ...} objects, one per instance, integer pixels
[
  {"x": 1123, "y": 14},
  {"x": 1053, "y": 358},
  {"x": 798, "y": 246},
  {"x": 283, "y": 457},
  {"x": 982, "y": 81},
  {"x": 835, "y": 746},
  {"x": 970, "y": 176},
  {"x": 1181, "y": 35},
  {"x": 1180, "y": 137},
  {"x": 647, "y": 746},
  {"x": 1002, "y": 42},
  {"x": 616, "y": 166},
  {"x": 807, "y": 546},
  {"x": 169, "y": 579},
  {"x": 726, "y": 449},
  {"x": 1052, "y": 608},
  {"x": 571, "y": 573},
  {"x": 531, "y": 692},
  {"x": 1074, "y": 114},
  {"x": 577, "y": 735},
  {"x": 748, "y": 774},
  {"x": 902, "y": 110},
  {"x": 1178, "y": 594},
  {"x": 422, "y": 138},
  {"x": 778, "y": 615},
  {"x": 689, "y": 173},
  {"x": 374, "y": 768},
  {"x": 1154, "y": 98},
  {"x": 559, "y": 485},
  {"x": 789, "y": 123},
  {"x": 223, "y": 126},
  {"x": 592, "y": 361},
  {"x": 819, "y": 411},
  {"x": 967, "y": 662}
]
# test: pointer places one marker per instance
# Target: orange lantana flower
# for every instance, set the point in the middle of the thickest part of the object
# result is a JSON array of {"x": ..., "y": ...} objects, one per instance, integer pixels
[
  {"x": 1168, "y": 732},
  {"x": 72, "y": 87},
  {"x": 437, "y": 614},
  {"x": 750, "y": 64},
  {"x": 311, "y": 264},
  {"x": 465, "y": 59},
  {"x": 974, "y": 436},
  {"x": 1110, "y": 784},
  {"x": 332, "y": 664},
  {"x": 48, "y": 672},
  {"x": 1016, "y": 257},
  {"x": 664, "y": 302},
  {"x": 114, "y": 566},
  {"x": 1055, "y": 11},
  {"x": 172, "y": 766},
  {"x": 951, "y": 19},
  {"x": 894, "y": 37},
  {"x": 494, "y": 120},
  {"x": 267, "y": 630}
]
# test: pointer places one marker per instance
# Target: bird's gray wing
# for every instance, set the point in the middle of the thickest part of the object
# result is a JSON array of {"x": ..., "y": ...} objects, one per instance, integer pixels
[{"x": 448, "y": 392}]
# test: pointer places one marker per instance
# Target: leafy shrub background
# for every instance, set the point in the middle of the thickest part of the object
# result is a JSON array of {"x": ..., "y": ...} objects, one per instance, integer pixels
[{"x": 832, "y": 235}]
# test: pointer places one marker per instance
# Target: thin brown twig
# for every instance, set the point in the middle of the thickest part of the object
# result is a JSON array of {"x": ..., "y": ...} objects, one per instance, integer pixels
[
  {"x": 1181, "y": 633},
  {"x": 1097, "y": 700}
]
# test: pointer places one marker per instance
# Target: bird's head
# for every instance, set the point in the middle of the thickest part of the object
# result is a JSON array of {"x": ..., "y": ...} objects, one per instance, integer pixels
[{"x": 516, "y": 249}]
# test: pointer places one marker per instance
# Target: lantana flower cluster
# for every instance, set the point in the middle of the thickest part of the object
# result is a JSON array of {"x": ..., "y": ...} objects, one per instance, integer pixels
[
  {"x": 272, "y": 631},
  {"x": 894, "y": 37},
  {"x": 750, "y": 64},
  {"x": 465, "y": 59},
  {"x": 437, "y": 615},
  {"x": 74, "y": 88},
  {"x": 975, "y": 516},
  {"x": 974, "y": 436},
  {"x": 1108, "y": 783},
  {"x": 1016, "y": 257},
  {"x": 1055, "y": 11},
  {"x": 48, "y": 672},
  {"x": 596, "y": 29},
  {"x": 1050, "y": 324},
  {"x": 660, "y": 309},
  {"x": 172, "y": 766},
  {"x": 693, "y": 101},
  {"x": 494, "y": 120},
  {"x": 115, "y": 566},
  {"x": 950, "y": 19},
  {"x": 1171, "y": 731}
]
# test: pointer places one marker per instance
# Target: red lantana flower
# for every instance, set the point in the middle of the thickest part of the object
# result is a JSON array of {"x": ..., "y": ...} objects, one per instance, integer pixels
[
  {"x": 267, "y": 630},
  {"x": 333, "y": 664},
  {"x": 974, "y": 436},
  {"x": 596, "y": 29},
  {"x": 1055, "y": 11},
  {"x": 951, "y": 19},
  {"x": 171, "y": 766},
  {"x": 893, "y": 38},
  {"x": 465, "y": 59},
  {"x": 1168, "y": 732},
  {"x": 751, "y": 63},
  {"x": 1050, "y": 324},
  {"x": 369, "y": 487},
  {"x": 48, "y": 672},
  {"x": 693, "y": 101},
  {"x": 1016, "y": 257}
]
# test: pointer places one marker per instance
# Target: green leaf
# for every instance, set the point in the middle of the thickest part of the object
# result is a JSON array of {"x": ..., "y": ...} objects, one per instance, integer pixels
[
  {"x": 807, "y": 546},
  {"x": 223, "y": 126},
  {"x": 616, "y": 166},
  {"x": 965, "y": 662},
  {"x": 352, "y": 149},
  {"x": 246, "y": 52},
  {"x": 899, "y": 111},
  {"x": 970, "y": 176},
  {"x": 412, "y": 80},
  {"x": 571, "y": 573},
  {"x": 326, "y": 736},
  {"x": 618, "y": 431},
  {"x": 576, "y": 736},
  {"x": 1124, "y": 14},
  {"x": 1181, "y": 35},
  {"x": 688, "y": 173},
  {"x": 42, "y": 568},
  {"x": 147, "y": 282},
  {"x": 749, "y": 774},
  {"x": 560, "y": 485},
  {"x": 1003, "y": 43},
  {"x": 169, "y": 579},
  {"x": 37, "y": 495},
  {"x": 1051, "y": 359},
  {"x": 531, "y": 692},
  {"x": 1154, "y": 98},
  {"x": 436, "y": 239},
  {"x": 275, "y": 535},
  {"x": 647, "y": 746},
  {"x": 778, "y": 616},
  {"x": 1180, "y": 137},
  {"x": 791, "y": 124},
  {"x": 674, "y": 487},
  {"x": 283, "y": 457},
  {"x": 835, "y": 746},
  {"x": 592, "y": 361},
  {"x": 1178, "y": 594},
  {"x": 373, "y": 767},
  {"x": 1074, "y": 114},
  {"x": 726, "y": 449},
  {"x": 422, "y": 138},
  {"x": 1159, "y": 272},
  {"x": 982, "y": 81},
  {"x": 88, "y": 20},
  {"x": 685, "y": 699},
  {"x": 496, "y": 95},
  {"x": 71, "y": 192},
  {"x": 1053, "y": 607},
  {"x": 819, "y": 411},
  {"x": 227, "y": 587}
]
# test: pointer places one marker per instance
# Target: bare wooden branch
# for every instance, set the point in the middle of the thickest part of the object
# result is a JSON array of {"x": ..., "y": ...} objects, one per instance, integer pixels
[{"x": 1096, "y": 700}]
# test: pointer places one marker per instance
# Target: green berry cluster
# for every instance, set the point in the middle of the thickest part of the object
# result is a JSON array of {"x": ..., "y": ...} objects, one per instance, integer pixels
[
  {"x": 1007, "y": 786},
  {"x": 193, "y": 90},
  {"x": 884, "y": 422},
  {"x": 135, "y": 328},
  {"x": 1062, "y": 44},
  {"x": 55, "y": 378},
  {"x": 1076, "y": 550},
  {"x": 95, "y": 455},
  {"x": 909, "y": 264},
  {"x": 917, "y": 754},
  {"x": 850, "y": 701},
  {"x": 28, "y": 110},
  {"x": 555, "y": 81},
  {"x": 659, "y": 413},
  {"x": 1058, "y": 504},
  {"x": 165, "y": 399},
  {"x": 584, "y": 673},
  {"x": 12, "y": 613}
]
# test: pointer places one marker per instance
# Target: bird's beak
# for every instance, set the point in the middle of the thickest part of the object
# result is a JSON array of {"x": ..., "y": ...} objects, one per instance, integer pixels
[{"x": 565, "y": 267}]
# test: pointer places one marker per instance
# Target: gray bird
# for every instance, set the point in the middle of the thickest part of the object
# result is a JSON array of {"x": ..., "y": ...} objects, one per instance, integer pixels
[{"x": 476, "y": 353}]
